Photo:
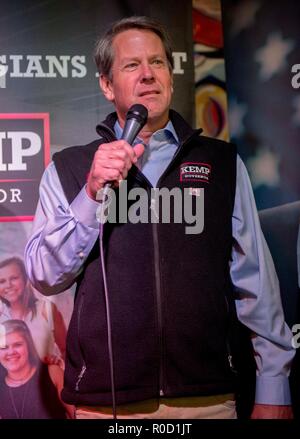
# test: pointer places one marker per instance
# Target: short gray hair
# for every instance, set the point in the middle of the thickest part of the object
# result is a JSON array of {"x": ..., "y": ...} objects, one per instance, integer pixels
[{"x": 104, "y": 54}]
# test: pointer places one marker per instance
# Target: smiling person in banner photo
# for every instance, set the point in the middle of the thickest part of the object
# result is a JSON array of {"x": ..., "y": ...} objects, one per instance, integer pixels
[
  {"x": 29, "y": 389},
  {"x": 157, "y": 314},
  {"x": 17, "y": 301}
]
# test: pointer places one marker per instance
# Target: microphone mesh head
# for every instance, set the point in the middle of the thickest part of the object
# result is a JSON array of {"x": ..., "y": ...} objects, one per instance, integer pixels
[{"x": 138, "y": 112}]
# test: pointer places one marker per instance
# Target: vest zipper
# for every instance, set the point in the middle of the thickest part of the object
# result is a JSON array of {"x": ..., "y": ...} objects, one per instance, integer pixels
[
  {"x": 158, "y": 300},
  {"x": 142, "y": 179},
  {"x": 157, "y": 267},
  {"x": 83, "y": 367},
  {"x": 229, "y": 354}
]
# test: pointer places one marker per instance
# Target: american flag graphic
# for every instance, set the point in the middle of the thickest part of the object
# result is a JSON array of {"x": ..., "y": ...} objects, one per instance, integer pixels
[{"x": 262, "y": 57}]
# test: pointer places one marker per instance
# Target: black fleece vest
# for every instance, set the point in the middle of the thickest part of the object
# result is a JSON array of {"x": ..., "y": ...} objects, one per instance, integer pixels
[{"x": 170, "y": 292}]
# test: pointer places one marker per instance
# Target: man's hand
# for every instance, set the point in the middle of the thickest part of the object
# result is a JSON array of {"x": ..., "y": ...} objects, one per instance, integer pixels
[
  {"x": 266, "y": 411},
  {"x": 112, "y": 162}
]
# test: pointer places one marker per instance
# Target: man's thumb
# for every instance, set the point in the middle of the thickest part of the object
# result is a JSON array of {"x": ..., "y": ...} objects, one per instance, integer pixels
[{"x": 139, "y": 150}]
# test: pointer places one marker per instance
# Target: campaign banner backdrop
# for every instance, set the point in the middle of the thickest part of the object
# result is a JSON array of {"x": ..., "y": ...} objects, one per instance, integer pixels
[
  {"x": 210, "y": 90},
  {"x": 24, "y": 154},
  {"x": 49, "y": 100}
]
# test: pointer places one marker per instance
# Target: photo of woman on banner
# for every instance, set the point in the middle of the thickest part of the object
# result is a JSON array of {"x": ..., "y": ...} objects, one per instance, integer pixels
[
  {"x": 29, "y": 389},
  {"x": 18, "y": 301}
]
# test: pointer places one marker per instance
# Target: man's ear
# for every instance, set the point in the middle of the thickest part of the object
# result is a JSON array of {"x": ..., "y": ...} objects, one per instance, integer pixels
[{"x": 106, "y": 87}]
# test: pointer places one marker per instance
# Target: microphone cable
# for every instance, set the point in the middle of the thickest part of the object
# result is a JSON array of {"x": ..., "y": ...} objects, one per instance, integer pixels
[
  {"x": 136, "y": 118},
  {"x": 107, "y": 306}
]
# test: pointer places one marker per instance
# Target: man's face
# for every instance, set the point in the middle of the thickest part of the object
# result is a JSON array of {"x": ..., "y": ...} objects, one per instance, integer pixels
[{"x": 140, "y": 74}]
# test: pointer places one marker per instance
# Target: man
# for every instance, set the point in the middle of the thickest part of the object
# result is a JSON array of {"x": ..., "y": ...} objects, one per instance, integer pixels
[{"x": 171, "y": 294}]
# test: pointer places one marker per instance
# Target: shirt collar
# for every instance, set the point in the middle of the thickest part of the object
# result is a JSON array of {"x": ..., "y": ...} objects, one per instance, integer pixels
[{"x": 168, "y": 132}]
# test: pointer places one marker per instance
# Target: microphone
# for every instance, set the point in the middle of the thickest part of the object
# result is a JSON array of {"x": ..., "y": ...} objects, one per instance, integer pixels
[{"x": 136, "y": 118}]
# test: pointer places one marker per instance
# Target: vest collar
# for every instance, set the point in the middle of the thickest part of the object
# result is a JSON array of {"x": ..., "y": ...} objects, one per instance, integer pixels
[{"x": 183, "y": 130}]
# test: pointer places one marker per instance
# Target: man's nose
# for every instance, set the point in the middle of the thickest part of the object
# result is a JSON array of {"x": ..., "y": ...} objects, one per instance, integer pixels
[{"x": 146, "y": 71}]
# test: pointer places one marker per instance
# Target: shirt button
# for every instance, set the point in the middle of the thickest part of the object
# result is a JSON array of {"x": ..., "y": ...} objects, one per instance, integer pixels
[{"x": 81, "y": 255}]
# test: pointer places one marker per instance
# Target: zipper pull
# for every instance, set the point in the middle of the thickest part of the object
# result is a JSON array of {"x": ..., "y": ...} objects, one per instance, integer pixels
[
  {"x": 153, "y": 209},
  {"x": 231, "y": 363},
  {"x": 82, "y": 372}
]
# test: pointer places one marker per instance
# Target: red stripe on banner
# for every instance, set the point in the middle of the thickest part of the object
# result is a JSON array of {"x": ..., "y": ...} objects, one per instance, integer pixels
[
  {"x": 7, "y": 219},
  {"x": 24, "y": 116},
  {"x": 18, "y": 179},
  {"x": 47, "y": 138},
  {"x": 207, "y": 30}
]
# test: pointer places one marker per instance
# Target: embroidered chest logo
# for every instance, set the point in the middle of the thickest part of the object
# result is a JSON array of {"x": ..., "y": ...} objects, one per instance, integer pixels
[{"x": 192, "y": 171}]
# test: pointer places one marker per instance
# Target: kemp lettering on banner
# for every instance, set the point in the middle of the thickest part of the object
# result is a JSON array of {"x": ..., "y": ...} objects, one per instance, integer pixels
[{"x": 24, "y": 154}]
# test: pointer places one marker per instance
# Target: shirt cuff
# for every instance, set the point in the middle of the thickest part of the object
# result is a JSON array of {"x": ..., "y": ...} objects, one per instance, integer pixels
[
  {"x": 272, "y": 390},
  {"x": 84, "y": 209}
]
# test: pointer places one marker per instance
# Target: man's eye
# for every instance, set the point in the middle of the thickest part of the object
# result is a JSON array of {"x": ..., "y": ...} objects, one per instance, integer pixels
[
  {"x": 158, "y": 62},
  {"x": 131, "y": 66}
]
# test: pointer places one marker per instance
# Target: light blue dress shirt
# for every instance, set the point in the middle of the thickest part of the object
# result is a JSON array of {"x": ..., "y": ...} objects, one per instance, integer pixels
[{"x": 63, "y": 236}]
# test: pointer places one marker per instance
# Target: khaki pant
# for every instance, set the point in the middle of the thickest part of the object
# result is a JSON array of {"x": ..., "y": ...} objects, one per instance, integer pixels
[{"x": 211, "y": 407}]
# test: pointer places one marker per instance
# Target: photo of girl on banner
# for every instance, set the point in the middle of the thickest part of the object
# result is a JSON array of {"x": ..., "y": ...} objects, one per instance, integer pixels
[
  {"x": 29, "y": 389},
  {"x": 18, "y": 301}
]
